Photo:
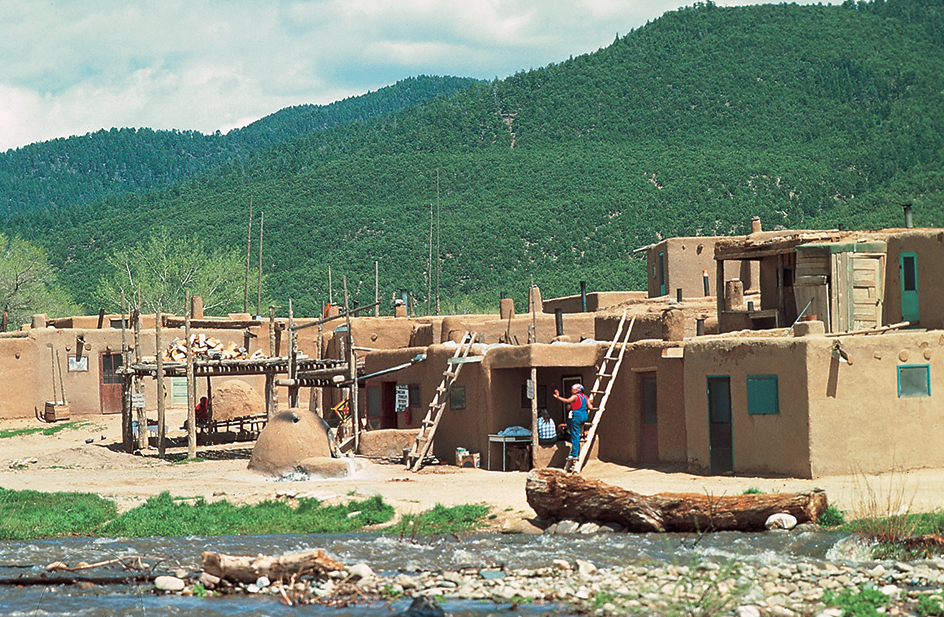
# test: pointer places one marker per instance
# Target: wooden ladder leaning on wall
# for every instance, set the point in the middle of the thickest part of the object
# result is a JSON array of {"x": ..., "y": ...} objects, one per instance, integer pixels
[
  {"x": 602, "y": 386},
  {"x": 424, "y": 439}
]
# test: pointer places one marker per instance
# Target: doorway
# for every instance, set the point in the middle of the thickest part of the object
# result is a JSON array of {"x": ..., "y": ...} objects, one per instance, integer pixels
[
  {"x": 719, "y": 425},
  {"x": 909, "y": 287},
  {"x": 382, "y": 404},
  {"x": 109, "y": 384},
  {"x": 649, "y": 426}
]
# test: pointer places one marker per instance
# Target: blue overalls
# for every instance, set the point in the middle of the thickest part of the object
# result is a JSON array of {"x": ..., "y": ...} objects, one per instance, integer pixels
[{"x": 575, "y": 419}]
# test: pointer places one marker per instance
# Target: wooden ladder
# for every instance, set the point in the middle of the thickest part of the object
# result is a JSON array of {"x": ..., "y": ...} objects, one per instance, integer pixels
[
  {"x": 424, "y": 440},
  {"x": 606, "y": 375}
]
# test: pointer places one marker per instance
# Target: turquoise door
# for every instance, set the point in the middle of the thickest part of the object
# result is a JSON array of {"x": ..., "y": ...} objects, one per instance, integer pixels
[
  {"x": 661, "y": 273},
  {"x": 909, "y": 287},
  {"x": 720, "y": 442}
]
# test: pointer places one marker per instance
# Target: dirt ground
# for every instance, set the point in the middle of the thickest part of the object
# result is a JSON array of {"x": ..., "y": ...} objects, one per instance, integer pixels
[{"x": 89, "y": 459}]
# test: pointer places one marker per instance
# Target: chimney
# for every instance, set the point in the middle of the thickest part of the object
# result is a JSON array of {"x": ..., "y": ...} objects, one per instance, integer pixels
[
  {"x": 755, "y": 225},
  {"x": 909, "y": 223}
]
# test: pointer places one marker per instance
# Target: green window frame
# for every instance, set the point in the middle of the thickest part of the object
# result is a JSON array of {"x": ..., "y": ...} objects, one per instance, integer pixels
[
  {"x": 914, "y": 380},
  {"x": 763, "y": 395}
]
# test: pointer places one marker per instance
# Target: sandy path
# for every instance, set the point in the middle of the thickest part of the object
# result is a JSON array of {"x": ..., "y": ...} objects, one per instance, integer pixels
[{"x": 66, "y": 462}]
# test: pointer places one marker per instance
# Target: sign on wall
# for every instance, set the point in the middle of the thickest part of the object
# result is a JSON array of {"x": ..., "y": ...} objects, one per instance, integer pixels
[
  {"x": 78, "y": 364},
  {"x": 403, "y": 397}
]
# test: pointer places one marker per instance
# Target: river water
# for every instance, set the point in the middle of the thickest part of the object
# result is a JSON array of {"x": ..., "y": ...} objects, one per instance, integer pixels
[{"x": 386, "y": 555}]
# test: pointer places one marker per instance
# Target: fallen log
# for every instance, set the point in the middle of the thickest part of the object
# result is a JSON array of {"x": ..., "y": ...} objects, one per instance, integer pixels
[
  {"x": 248, "y": 569},
  {"x": 555, "y": 494}
]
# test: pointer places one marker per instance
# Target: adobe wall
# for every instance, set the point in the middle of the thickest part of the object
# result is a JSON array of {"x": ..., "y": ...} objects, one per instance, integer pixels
[
  {"x": 928, "y": 245},
  {"x": 26, "y": 362},
  {"x": 775, "y": 444},
  {"x": 619, "y": 429},
  {"x": 685, "y": 261},
  {"x": 596, "y": 301},
  {"x": 858, "y": 423}
]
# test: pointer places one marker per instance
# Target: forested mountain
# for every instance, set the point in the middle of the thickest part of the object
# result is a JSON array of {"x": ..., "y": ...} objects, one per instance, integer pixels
[
  {"x": 66, "y": 172},
  {"x": 808, "y": 116}
]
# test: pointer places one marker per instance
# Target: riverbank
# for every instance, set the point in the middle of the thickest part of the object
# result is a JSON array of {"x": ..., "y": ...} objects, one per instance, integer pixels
[{"x": 87, "y": 457}]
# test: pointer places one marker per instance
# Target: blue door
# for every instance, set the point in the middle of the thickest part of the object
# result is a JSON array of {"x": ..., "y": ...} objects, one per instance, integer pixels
[{"x": 909, "y": 287}]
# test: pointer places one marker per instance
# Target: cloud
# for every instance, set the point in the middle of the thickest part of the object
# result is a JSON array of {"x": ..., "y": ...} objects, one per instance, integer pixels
[{"x": 72, "y": 67}]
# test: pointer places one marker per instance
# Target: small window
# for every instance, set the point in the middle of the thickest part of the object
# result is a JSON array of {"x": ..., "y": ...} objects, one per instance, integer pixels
[
  {"x": 457, "y": 397},
  {"x": 763, "y": 397},
  {"x": 414, "y": 389},
  {"x": 914, "y": 380},
  {"x": 541, "y": 396}
]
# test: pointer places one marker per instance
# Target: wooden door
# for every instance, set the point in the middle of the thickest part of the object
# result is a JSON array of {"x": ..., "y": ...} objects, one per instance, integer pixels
[
  {"x": 649, "y": 421},
  {"x": 719, "y": 425},
  {"x": 867, "y": 291},
  {"x": 109, "y": 385}
]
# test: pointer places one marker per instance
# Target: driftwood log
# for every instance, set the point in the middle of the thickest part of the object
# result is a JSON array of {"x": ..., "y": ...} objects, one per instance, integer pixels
[
  {"x": 248, "y": 569},
  {"x": 554, "y": 494}
]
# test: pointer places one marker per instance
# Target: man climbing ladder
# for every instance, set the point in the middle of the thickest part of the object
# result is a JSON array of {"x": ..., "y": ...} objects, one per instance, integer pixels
[{"x": 578, "y": 414}]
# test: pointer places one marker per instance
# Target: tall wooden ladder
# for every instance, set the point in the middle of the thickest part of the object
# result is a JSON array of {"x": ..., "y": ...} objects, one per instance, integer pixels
[
  {"x": 424, "y": 440},
  {"x": 606, "y": 375}
]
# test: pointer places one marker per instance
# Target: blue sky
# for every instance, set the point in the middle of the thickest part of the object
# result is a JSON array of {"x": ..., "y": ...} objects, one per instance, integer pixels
[{"x": 69, "y": 67}]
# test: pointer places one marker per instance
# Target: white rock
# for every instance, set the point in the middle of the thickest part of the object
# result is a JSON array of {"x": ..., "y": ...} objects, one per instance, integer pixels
[
  {"x": 360, "y": 570},
  {"x": 169, "y": 583},
  {"x": 263, "y": 581},
  {"x": 891, "y": 591},
  {"x": 781, "y": 520},
  {"x": 585, "y": 568},
  {"x": 748, "y": 611}
]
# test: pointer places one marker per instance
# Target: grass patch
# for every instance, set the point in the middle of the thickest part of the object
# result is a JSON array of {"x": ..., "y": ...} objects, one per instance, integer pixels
[
  {"x": 863, "y": 603},
  {"x": 831, "y": 517},
  {"x": 48, "y": 430},
  {"x": 25, "y": 515},
  {"x": 443, "y": 520},
  {"x": 752, "y": 490},
  {"x": 165, "y": 516}
]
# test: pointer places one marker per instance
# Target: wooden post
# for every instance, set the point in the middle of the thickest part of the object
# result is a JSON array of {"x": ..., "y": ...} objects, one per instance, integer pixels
[
  {"x": 127, "y": 436},
  {"x": 319, "y": 393},
  {"x": 259, "y": 284},
  {"x": 248, "y": 247},
  {"x": 534, "y": 412},
  {"x": 191, "y": 393},
  {"x": 159, "y": 377},
  {"x": 292, "y": 358},
  {"x": 352, "y": 373},
  {"x": 377, "y": 288},
  {"x": 138, "y": 381},
  {"x": 270, "y": 377}
]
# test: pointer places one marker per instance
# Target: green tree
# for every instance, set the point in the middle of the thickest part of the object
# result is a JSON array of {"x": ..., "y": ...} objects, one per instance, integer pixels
[
  {"x": 28, "y": 284},
  {"x": 167, "y": 266}
]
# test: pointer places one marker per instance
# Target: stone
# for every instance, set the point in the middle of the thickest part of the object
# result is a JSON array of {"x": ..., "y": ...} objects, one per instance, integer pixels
[
  {"x": 169, "y": 583},
  {"x": 781, "y": 520},
  {"x": 360, "y": 570},
  {"x": 208, "y": 580},
  {"x": 748, "y": 611},
  {"x": 567, "y": 526},
  {"x": 263, "y": 582},
  {"x": 585, "y": 568}
]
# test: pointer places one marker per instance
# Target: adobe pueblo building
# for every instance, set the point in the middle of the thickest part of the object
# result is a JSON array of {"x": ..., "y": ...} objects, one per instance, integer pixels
[{"x": 798, "y": 353}]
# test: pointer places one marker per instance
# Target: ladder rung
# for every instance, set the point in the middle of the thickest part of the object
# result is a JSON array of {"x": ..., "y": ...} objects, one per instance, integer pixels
[{"x": 422, "y": 438}]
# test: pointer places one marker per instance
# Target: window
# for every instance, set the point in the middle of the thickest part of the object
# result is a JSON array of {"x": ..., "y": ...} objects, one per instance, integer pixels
[
  {"x": 110, "y": 365},
  {"x": 541, "y": 396},
  {"x": 914, "y": 380},
  {"x": 414, "y": 389},
  {"x": 457, "y": 397},
  {"x": 763, "y": 397}
]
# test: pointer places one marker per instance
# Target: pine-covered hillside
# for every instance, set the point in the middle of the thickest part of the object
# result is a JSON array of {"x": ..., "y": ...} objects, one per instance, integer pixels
[{"x": 808, "y": 116}]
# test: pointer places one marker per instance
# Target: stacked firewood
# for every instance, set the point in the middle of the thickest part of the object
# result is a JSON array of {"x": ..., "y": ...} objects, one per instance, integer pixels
[{"x": 208, "y": 348}]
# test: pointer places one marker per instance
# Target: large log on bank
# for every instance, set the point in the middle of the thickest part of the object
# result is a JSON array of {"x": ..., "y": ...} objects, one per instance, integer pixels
[
  {"x": 248, "y": 569},
  {"x": 558, "y": 495}
]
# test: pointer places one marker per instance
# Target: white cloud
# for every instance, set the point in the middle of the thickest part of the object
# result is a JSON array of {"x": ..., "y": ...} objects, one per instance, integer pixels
[{"x": 73, "y": 67}]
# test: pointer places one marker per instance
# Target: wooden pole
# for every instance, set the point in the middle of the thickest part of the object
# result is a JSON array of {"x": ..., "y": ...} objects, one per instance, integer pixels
[
  {"x": 292, "y": 357},
  {"x": 159, "y": 377},
  {"x": 429, "y": 267},
  {"x": 534, "y": 412},
  {"x": 438, "y": 252},
  {"x": 259, "y": 284},
  {"x": 248, "y": 247},
  {"x": 138, "y": 381},
  {"x": 377, "y": 288},
  {"x": 127, "y": 436},
  {"x": 352, "y": 375},
  {"x": 330, "y": 291},
  {"x": 319, "y": 395},
  {"x": 270, "y": 377},
  {"x": 191, "y": 392}
]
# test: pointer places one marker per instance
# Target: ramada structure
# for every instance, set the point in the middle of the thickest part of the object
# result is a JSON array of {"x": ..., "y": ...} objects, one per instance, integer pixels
[{"x": 797, "y": 353}]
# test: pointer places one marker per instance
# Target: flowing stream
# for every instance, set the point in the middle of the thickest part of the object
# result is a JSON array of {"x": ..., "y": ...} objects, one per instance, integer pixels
[{"x": 386, "y": 555}]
